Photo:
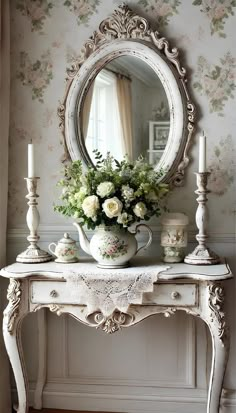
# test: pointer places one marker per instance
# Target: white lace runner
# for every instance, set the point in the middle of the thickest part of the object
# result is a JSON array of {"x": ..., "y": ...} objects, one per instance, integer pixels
[{"x": 110, "y": 290}]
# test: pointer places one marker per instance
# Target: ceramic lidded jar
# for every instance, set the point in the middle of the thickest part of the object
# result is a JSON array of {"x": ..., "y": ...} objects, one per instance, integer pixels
[
  {"x": 65, "y": 250},
  {"x": 174, "y": 236}
]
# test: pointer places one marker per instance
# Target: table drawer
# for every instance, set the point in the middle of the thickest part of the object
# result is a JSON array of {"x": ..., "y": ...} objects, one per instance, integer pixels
[
  {"x": 172, "y": 294},
  {"x": 46, "y": 292}
]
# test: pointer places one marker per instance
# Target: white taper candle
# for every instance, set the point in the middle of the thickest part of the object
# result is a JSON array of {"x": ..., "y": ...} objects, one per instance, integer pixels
[
  {"x": 202, "y": 153},
  {"x": 31, "y": 171}
]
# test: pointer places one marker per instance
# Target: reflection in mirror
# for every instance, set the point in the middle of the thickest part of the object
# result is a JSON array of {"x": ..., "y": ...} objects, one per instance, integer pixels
[{"x": 126, "y": 111}]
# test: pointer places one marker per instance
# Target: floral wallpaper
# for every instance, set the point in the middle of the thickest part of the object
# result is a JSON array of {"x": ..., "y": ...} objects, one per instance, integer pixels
[
  {"x": 217, "y": 11},
  {"x": 37, "y": 75},
  {"x": 222, "y": 166},
  {"x": 161, "y": 10},
  {"x": 217, "y": 82},
  {"x": 36, "y": 12},
  {"x": 82, "y": 9},
  {"x": 46, "y": 37}
]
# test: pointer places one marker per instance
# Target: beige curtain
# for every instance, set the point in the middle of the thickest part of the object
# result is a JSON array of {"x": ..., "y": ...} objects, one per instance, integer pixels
[
  {"x": 125, "y": 111},
  {"x": 5, "y": 402},
  {"x": 86, "y": 110}
]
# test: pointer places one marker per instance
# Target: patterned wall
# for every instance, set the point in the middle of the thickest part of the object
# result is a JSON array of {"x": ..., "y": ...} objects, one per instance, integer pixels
[{"x": 46, "y": 37}]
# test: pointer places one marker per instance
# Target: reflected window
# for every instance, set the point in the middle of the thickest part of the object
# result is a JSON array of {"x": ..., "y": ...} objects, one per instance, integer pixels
[{"x": 104, "y": 126}]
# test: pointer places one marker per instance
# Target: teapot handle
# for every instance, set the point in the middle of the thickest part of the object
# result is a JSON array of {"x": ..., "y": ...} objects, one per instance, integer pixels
[
  {"x": 50, "y": 249},
  {"x": 149, "y": 239}
]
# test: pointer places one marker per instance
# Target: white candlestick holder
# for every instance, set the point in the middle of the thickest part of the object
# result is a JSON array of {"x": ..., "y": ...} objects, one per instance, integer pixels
[
  {"x": 33, "y": 254},
  {"x": 202, "y": 255}
]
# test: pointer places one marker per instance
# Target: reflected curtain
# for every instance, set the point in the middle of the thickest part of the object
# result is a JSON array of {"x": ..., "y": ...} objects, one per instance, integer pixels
[
  {"x": 5, "y": 402},
  {"x": 86, "y": 110},
  {"x": 124, "y": 98}
]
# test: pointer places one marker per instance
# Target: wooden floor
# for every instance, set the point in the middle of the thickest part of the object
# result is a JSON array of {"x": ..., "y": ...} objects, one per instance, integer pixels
[{"x": 58, "y": 411}]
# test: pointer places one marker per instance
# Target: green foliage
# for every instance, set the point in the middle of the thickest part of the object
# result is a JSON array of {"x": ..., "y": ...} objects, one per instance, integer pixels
[{"x": 131, "y": 183}]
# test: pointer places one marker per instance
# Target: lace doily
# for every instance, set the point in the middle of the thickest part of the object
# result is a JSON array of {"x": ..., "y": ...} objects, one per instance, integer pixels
[{"x": 110, "y": 290}]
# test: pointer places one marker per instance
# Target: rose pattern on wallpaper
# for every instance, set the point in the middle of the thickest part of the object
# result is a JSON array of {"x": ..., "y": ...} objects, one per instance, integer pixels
[
  {"x": 21, "y": 134},
  {"x": 217, "y": 11},
  {"x": 222, "y": 166},
  {"x": 36, "y": 75},
  {"x": 83, "y": 9},
  {"x": 17, "y": 205},
  {"x": 216, "y": 82},
  {"x": 36, "y": 11},
  {"x": 161, "y": 10}
]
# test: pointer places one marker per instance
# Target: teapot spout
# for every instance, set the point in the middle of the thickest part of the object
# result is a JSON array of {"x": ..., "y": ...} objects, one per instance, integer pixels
[{"x": 84, "y": 242}]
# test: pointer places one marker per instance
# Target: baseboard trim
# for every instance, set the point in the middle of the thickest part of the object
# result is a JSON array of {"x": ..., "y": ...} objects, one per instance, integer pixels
[{"x": 195, "y": 402}]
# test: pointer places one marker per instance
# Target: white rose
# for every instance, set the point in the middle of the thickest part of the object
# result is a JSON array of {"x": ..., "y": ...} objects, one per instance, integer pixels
[
  {"x": 90, "y": 206},
  {"x": 112, "y": 207},
  {"x": 127, "y": 192},
  {"x": 140, "y": 210},
  {"x": 124, "y": 219},
  {"x": 105, "y": 189}
]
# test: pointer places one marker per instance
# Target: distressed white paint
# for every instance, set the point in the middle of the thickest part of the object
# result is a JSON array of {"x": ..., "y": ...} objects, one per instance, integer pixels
[
  {"x": 206, "y": 302},
  {"x": 77, "y": 378}
]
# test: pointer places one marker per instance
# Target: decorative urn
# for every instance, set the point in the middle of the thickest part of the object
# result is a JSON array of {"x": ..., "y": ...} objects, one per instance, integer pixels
[{"x": 174, "y": 236}]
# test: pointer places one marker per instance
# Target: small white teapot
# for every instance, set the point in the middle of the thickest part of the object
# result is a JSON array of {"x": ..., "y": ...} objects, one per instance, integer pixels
[{"x": 65, "y": 250}]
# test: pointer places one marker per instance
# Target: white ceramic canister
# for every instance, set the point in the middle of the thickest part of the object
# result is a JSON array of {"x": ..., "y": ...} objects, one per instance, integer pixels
[{"x": 174, "y": 236}]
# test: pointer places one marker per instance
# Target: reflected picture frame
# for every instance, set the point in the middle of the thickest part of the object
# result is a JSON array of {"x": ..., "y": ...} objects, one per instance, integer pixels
[
  {"x": 160, "y": 135},
  {"x": 158, "y": 139}
]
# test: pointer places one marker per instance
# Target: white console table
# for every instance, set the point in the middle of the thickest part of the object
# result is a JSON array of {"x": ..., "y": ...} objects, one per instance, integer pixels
[{"x": 197, "y": 290}]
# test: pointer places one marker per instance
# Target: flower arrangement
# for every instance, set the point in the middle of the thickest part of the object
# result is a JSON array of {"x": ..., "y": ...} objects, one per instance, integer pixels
[{"x": 112, "y": 193}]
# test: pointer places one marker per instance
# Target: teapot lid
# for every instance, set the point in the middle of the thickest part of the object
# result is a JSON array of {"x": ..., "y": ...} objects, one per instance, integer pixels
[{"x": 67, "y": 239}]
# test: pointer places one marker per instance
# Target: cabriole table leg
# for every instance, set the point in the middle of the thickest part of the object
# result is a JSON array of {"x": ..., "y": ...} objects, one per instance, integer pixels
[
  {"x": 13, "y": 317},
  {"x": 220, "y": 345}
]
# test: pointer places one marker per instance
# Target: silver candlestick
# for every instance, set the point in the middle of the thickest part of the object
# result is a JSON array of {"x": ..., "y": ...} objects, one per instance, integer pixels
[
  {"x": 202, "y": 255},
  {"x": 33, "y": 254}
]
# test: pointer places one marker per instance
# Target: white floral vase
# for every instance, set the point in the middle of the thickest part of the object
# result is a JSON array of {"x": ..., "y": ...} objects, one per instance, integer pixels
[{"x": 112, "y": 247}]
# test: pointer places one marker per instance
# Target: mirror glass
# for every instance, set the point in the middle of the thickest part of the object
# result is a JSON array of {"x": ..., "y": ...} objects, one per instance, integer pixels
[{"x": 126, "y": 111}]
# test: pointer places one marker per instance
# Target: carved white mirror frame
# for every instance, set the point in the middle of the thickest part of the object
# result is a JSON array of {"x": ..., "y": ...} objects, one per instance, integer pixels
[{"x": 126, "y": 33}]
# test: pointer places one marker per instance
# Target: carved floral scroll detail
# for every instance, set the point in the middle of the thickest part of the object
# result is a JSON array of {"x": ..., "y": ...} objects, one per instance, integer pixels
[
  {"x": 54, "y": 308},
  {"x": 112, "y": 323},
  {"x": 216, "y": 304},
  {"x": 14, "y": 297},
  {"x": 125, "y": 24}
]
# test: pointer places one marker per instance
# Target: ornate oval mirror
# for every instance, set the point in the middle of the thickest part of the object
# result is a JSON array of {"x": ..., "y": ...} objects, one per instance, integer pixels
[
  {"x": 114, "y": 117},
  {"x": 127, "y": 95}
]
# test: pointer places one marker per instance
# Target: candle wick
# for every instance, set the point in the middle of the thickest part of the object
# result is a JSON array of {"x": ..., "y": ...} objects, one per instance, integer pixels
[{"x": 31, "y": 141}]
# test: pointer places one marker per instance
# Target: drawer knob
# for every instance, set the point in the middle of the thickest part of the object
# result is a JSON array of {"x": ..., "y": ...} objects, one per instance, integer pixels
[
  {"x": 175, "y": 295},
  {"x": 53, "y": 294}
]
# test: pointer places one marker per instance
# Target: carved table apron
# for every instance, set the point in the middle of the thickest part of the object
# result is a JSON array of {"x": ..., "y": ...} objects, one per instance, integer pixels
[{"x": 197, "y": 290}]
